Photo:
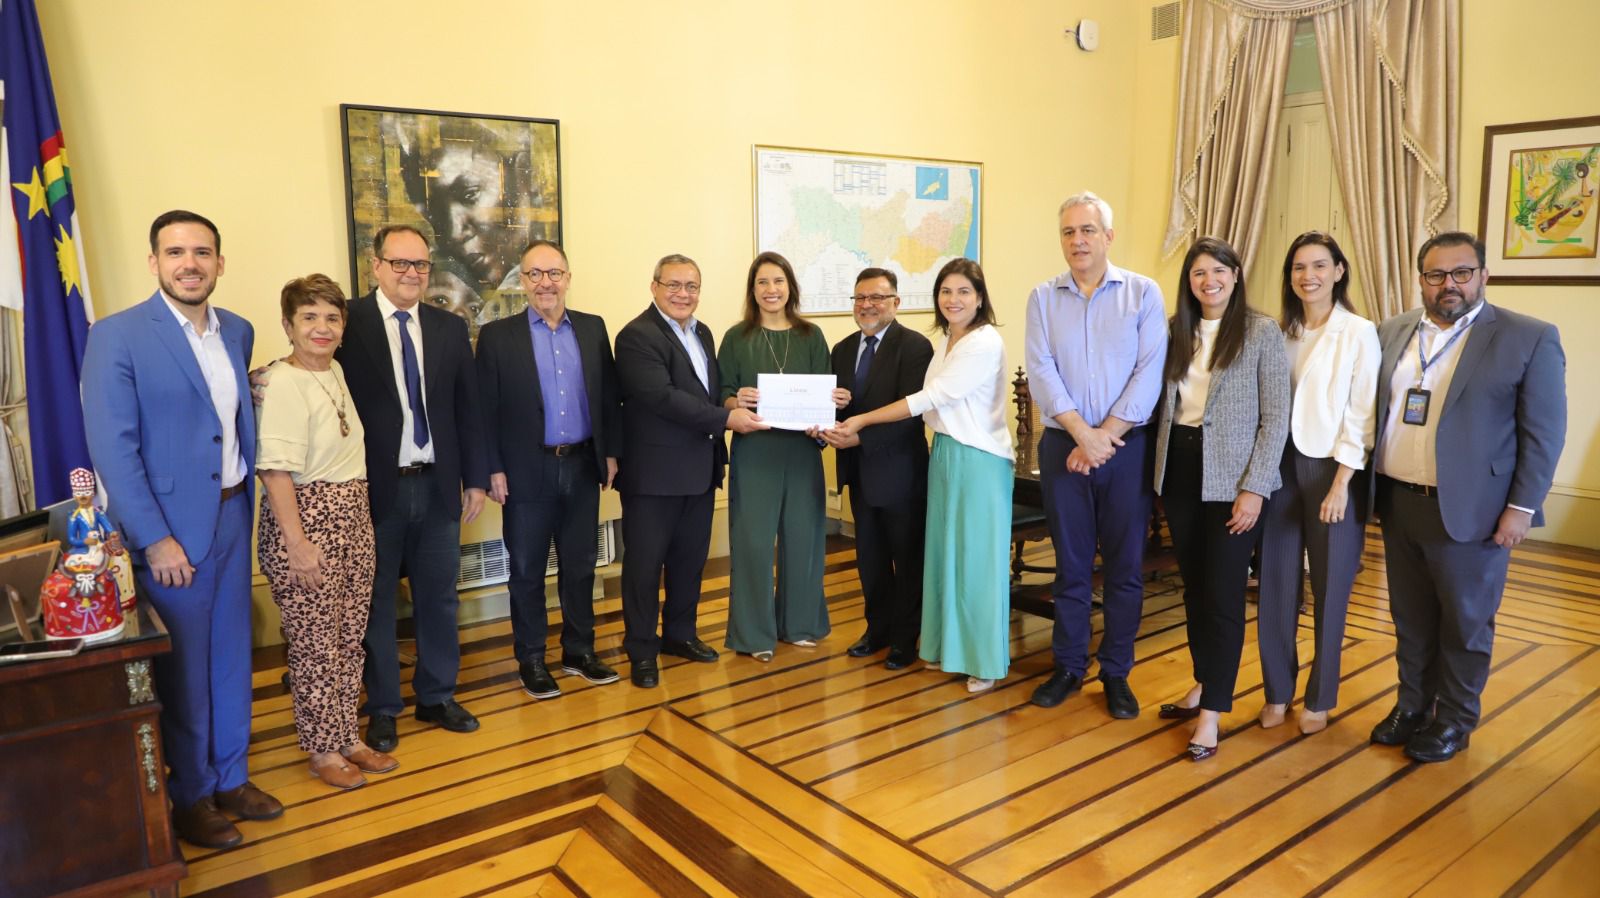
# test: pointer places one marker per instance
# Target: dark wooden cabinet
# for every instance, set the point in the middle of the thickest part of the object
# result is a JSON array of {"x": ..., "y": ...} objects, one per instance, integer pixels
[{"x": 83, "y": 792}]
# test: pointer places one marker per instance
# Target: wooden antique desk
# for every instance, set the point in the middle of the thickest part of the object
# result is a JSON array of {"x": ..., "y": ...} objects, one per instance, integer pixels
[{"x": 83, "y": 787}]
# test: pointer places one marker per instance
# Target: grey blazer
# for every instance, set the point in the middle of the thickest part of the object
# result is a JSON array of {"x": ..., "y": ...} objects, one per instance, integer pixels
[
  {"x": 1503, "y": 421},
  {"x": 1246, "y": 420}
]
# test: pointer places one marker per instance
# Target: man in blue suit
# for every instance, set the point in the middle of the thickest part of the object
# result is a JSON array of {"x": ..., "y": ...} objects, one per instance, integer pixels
[{"x": 173, "y": 437}]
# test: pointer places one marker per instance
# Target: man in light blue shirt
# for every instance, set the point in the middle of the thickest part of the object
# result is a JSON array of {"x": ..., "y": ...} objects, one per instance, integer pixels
[{"x": 1096, "y": 341}]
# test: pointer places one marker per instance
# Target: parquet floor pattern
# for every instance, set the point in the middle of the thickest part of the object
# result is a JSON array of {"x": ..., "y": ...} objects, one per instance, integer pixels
[{"x": 819, "y": 774}]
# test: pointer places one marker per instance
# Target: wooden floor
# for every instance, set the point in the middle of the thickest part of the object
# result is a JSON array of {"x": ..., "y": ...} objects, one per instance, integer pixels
[{"x": 819, "y": 774}]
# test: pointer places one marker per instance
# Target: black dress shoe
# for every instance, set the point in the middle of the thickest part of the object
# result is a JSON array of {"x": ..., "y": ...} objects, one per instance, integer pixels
[
  {"x": 536, "y": 680},
  {"x": 381, "y": 735},
  {"x": 1437, "y": 742},
  {"x": 249, "y": 803},
  {"x": 864, "y": 647},
  {"x": 1178, "y": 712},
  {"x": 693, "y": 649},
  {"x": 449, "y": 715},
  {"x": 1398, "y": 727},
  {"x": 1055, "y": 690},
  {"x": 590, "y": 667},
  {"x": 1119, "y": 698},
  {"x": 203, "y": 825},
  {"x": 899, "y": 660},
  {"x": 646, "y": 675}
]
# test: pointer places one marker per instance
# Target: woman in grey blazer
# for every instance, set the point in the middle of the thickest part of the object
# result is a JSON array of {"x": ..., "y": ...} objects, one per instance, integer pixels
[{"x": 1219, "y": 438}]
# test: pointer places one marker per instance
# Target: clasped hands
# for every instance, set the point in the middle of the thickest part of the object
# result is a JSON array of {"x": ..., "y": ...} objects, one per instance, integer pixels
[{"x": 1095, "y": 447}]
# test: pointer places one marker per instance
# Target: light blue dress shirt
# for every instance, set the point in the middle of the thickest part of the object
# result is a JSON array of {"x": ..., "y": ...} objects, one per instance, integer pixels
[{"x": 691, "y": 344}]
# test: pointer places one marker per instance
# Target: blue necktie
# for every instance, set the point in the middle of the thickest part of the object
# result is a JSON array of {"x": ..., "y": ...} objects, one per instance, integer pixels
[
  {"x": 408, "y": 363},
  {"x": 865, "y": 363}
]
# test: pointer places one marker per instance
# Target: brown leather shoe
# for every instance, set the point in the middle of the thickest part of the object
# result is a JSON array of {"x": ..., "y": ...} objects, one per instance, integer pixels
[
  {"x": 369, "y": 760},
  {"x": 249, "y": 803},
  {"x": 203, "y": 825},
  {"x": 332, "y": 769}
]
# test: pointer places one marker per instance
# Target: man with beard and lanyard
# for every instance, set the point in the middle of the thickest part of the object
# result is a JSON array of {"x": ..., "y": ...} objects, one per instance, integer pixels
[
  {"x": 1472, "y": 415},
  {"x": 173, "y": 437}
]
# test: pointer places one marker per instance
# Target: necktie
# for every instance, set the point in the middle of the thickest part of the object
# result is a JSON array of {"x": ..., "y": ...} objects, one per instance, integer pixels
[
  {"x": 865, "y": 363},
  {"x": 408, "y": 364}
]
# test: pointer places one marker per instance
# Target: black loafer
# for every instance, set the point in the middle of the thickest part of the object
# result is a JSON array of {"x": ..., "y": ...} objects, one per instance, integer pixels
[
  {"x": 1119, "y": 698},
  {"x": 590, "y": 667},
  {"x": 899, "y": 660},
  {"x": 863, "y": 647},
  {"x": 448, "y": 715},
  {"x": 693, "y": 649},
  {"x": 1198, "y": 752},
  {"x": 646, "y": 675},
  {"x": 381, "y": 735},
  {"x": 1438, "y": 742},
  {"x": 1055, "y": 690},
  {"x": 1178, "y": 712},
  {"x": 1399, "y": 727},
  {"x": 536, "y": 680}
]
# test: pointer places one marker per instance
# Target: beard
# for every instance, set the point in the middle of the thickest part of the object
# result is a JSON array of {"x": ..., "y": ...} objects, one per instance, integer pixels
[
  {"x": 170, "y": 288},
  {"x": 1452, "y": 314}
]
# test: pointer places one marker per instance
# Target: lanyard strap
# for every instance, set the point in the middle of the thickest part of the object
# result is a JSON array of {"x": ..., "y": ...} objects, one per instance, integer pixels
[{"x": 1426, "y": 362}]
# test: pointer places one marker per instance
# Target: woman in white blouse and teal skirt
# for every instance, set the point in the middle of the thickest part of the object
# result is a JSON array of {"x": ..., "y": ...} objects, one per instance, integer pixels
[{"x": 966, "y": 607}]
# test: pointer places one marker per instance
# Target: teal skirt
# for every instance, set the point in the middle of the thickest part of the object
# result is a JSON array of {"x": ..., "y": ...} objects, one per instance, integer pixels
[{"x": 966, "y": 571}]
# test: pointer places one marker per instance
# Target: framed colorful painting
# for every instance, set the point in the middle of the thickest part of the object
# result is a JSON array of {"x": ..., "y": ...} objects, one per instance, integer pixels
[
  {"x": 1539, "y": 213},
  {"x": 479, "y": 186}
]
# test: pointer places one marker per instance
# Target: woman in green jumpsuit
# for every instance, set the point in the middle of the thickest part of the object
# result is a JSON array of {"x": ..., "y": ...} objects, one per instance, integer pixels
[{"x": 775, "y": 485}]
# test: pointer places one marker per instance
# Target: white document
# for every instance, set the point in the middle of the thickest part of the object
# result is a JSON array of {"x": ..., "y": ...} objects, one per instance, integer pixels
[{"x": 796, "y": 401}]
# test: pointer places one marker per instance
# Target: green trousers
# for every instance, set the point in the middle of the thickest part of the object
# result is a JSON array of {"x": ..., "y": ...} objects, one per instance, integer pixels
[{"x": 775, "y": 494}]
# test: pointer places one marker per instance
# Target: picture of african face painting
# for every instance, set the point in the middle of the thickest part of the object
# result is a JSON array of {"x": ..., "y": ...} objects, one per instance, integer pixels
[
  {"x": 478, "y": 186},
  {"x": 1551, "y": 202}
]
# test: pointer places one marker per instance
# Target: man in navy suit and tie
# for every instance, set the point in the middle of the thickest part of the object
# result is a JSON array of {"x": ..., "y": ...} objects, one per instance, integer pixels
[
  {"x": 172, "y": 435},
  {"x": 1472, "y": 415},
  {"x": 885, "y": 467},
  {"x": 553, "y": 428},
  {"x": 672, "y": 464},
  {"x": 412, "y": 378}
]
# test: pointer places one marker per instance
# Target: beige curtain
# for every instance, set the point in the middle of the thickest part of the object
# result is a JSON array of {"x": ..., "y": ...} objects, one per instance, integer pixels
[
  {"x": 16, "y": 484},
  {"x": 1391, "y": 78}
]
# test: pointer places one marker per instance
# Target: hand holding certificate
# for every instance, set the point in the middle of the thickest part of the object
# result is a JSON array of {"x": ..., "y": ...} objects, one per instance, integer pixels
[{"x": 796, "y": 401}]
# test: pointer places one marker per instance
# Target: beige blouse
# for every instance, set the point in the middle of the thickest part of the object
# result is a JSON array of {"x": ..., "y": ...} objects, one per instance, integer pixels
[{"x": 297, "y": 427}]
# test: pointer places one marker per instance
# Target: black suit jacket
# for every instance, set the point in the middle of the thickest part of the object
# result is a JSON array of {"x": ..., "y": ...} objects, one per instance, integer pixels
[
  {"x": 513, "y": 403},
  {"x": 896, "y": 454},
  {"x": 450, "y": 395},
  {"x": 672, "y": 425}
]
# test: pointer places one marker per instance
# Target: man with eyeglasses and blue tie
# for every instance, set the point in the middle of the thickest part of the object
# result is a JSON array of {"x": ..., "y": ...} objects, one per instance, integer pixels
[
  {"x": 672, "y": 463},
  {"x": 1472, "y": 415},
  {"x": 552, "y": 425},
  {"x": 411, "y": 375},
  {"x": 885, "y": 467}
]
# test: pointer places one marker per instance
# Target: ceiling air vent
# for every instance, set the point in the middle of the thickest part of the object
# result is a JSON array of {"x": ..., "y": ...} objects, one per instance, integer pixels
[{"x": 1164, "y": 21}]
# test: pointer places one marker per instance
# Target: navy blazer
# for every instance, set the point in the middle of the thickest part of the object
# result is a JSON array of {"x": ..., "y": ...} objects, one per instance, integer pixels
[
  {"x": 153, "y": 433},
  {"x": 671, "y": 423},
  {"x": 895, "y": 454},
  {"x": 450, "y": 383},
  {"x": 513, "y": 403},
  {"x": 1503, "y": 420}
]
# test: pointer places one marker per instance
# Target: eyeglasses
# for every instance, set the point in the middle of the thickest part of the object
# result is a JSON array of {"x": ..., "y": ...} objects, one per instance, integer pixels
[
  {"x": 1459, "y": 275},
  {"x": 687, "y": 287},
  {"x": 423, "y": 266},
  {"x": 876, "y": 299},
  {"x": 534, "y": 275}
]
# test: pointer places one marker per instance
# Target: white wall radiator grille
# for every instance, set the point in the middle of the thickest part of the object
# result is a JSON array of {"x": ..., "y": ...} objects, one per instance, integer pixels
[{"x": 487, "y": 563}]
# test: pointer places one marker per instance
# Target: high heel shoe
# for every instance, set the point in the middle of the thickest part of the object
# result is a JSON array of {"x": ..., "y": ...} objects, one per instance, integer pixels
[
  {"x": 1272, "y": 715},
  {"x": 1178, "y": 712},
  {"x": 1313, "y": 721}
]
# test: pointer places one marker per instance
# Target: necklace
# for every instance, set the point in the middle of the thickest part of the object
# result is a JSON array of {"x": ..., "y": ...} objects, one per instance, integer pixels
[
  {"x": 787, "y": 344},
  {"x": 339, "y": 406}
]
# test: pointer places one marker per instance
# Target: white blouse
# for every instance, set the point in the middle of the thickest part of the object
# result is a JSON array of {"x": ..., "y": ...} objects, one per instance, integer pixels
[
  {"x": 964, "y": 393},
  {"x": 1196, "y": 384}
]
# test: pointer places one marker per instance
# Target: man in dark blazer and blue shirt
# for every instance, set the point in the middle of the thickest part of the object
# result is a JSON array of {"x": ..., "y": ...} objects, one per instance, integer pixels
[
  {"x": 885, "y": 467},
  {"x": 412, "y": 378},
  {"x": 672, "y": 463},
  {"x": 552, "y": 424},
  {"x": 1472, "y": 415}
]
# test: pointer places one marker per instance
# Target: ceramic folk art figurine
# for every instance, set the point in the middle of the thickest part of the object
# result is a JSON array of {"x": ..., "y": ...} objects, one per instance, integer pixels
[{"x": 80, "y": 598}]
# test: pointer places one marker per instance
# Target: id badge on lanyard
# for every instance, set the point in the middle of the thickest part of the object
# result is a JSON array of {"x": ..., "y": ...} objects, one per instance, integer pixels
[{"x": 1418, "y": 399}]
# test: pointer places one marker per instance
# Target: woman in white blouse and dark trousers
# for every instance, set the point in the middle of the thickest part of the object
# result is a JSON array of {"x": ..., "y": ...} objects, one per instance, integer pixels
[
  {"x": 1219, "y": 440},
  {"x": 966, "y": 607},
  {"x": 1333, "y": 357}
]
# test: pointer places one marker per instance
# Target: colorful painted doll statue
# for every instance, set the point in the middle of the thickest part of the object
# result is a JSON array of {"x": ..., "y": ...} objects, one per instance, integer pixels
[
  {"x": 90, "y": 532},
  {"x": 80, "y": 598}
]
